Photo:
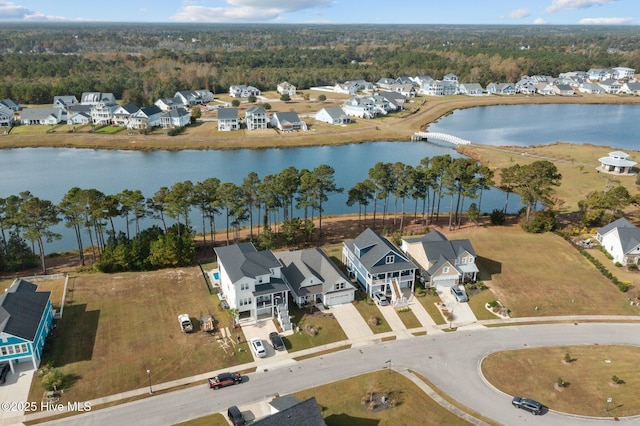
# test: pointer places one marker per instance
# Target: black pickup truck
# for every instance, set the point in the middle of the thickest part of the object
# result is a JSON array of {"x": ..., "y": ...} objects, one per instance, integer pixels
[{"x": 224, "y": 379}]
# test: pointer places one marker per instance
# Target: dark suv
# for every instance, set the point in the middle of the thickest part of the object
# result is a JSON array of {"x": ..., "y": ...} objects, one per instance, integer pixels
[
  {"x": 534, "y": 407},
  {"x": 235, "y": 416},
  {"x": 4, "y": 370}
]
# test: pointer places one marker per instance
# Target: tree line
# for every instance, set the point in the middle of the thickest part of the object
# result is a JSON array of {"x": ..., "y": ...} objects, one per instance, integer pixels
[{"x": 281, "y": 206}]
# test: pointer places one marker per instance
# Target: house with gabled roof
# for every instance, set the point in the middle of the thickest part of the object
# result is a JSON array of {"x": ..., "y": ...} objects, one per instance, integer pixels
[
  {"x": 251, "y": 281},
  {"x": 313, "y": 277},
  {"x": 287, "y": 121},
  {"x": 346, "y": 88},
  {"x": 35, "y": 116},
  {"x": 64, "y": 101},
  {"x": 333, "y": 115},
  {"x": 621, "y": 73},
  {"x": 630, "y": 88},
  {"x": 611, "y": 86},
  {"x": 243, "y": 91},
  {"x": 26, "y": 316},
  {"x": 592, "y": 88},
  {"x": 122, "y": 114},
  {"x": 563, "y": 89},
  {"x": 286, "y": 88},
  {"x": 145, "y": 118},
  {"x": 471, "y": 89},
  {"x": 442, "y": 262},
  {"x": 79, "y": 117},
  {"x": 545, "y": 89},
  {"x": 289, "y": 411},
  {"x": 188, "y": 97},
  {"x": 386, "y": 83},
  {"x": 255, "y": 118},
  {"x": 178, "y": 117},
  {"x": 378, "y": 265},
  {"x": 360, "y": 107},
  {"x": 228, "y": 119},
  {"x": 621, "y": 239},
  {"x": 396, "y": 100},
  {"x": 6, "y": 117},
  {"x": 407, "y": 90},
  {"x": 95, "y": 98},
  {"x": 167, "y": 104},
  {"x": 102, "y": 114},
  {"x": 11, "y": 104},
  {"x": 501, "y": 89}
]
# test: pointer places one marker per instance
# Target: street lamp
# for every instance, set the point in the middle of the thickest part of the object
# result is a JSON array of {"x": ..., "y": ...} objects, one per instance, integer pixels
[{"x": 149, "y": 377}]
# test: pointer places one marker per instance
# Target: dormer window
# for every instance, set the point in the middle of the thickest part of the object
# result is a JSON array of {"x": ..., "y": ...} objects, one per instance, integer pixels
[{"x": 389, "y": 259}]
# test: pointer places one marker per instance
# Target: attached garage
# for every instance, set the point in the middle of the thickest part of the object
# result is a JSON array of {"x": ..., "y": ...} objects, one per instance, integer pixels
[
  {"x": 444, "y": 281},
  {"x": 333, "y": 299}
]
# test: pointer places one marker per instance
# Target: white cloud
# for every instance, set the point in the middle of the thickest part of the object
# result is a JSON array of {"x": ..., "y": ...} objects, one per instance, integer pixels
[
  {"x": 245, "y": 10},
  {"x": 11, "y": 11},
  {"x": 519, "y": 13},
  {"x": 540, "y": 21},
  {"x": 604, "y": 21},
  {"x": 557, "y": 5}
]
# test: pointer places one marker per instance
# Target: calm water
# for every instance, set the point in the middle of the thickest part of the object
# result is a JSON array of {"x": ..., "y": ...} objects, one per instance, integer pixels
[{"x": 49, "y": 173}]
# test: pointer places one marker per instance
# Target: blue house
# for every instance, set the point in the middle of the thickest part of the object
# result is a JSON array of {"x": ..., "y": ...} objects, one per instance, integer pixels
[
  {"x": 378, "y": 265},
  {"x": 26, "y": 316}
]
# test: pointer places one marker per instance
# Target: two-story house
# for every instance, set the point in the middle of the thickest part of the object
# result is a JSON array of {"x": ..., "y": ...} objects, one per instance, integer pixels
[
  {"x": 378, "y": 265},
  {"x": 286, "y": 88},
  {"x": 621, "y": 239},
  {"x": 26, "y": 316},
  {"x": 251, "y": 281},
  {"x": 333, "y": 115},
  {"x": 122, "y": 114},
  {"x": 313, "y": 277},
  {"x": 178, "y": 117},
  {"x": 288, "y": 121},
  {"x": 228, "y": 119},
  {"x": 6, "y": 117},
  {"x": 243, "y": 91},
  {"x": 255, "y": 118},
  {"x": 145, "y": 118},
  {"x": 442, "y": 262}
]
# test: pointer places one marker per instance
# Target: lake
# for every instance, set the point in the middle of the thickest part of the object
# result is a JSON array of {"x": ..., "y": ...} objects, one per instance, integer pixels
[{"x": 50, "y": 172}]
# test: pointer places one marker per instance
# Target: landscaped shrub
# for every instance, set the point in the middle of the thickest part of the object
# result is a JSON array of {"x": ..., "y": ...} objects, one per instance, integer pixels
[
  {"x": 497, "y": 217},
  {"x": 618, "y": 264},
  {"x": 539, "y": 222}
]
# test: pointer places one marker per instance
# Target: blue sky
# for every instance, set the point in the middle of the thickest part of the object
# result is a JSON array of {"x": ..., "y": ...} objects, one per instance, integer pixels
[{"x": 507, "y": 12}]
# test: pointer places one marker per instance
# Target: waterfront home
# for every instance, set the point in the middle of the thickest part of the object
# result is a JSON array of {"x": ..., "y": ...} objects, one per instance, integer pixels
[
  {"x": 610, "y": 86},
  {"x": 80, "y": 117},
  {"x": 122, "y": 114},
  {"x": 433, "y": 88},
  {"x": 621, "y": 239},
  {"x": 287, "y": 121},
  {"x": 526, "y": 86},
  {"x": 255, "y": 118},
  {"x": 378, "y": 265},
  {"x": 471, "y": 89},
  {"x": 26, "y": 316},
  {"x": 545, "y": 89},
  {"x": 617, "y": 162},
  {"x": 630, "y": 88},
  {"x": 178, "y": 117},
  {"x": 35, "y": 116},
  {"x": 6, "y": 117},
  {"x": 592, "y": 88},
  {"x": 333, "y": 115},
  {"x": 396, "y": 100},
  {"x": 145, "y": 118},
  {"x": 102, "y": 114},
  {"x": 563, "y": 89},
  {"x": 599, "y": 74},
  {"x": 228, "y": 119},
  {"x": 501, "y": 89},
  {"x": 621, "y": 73}
]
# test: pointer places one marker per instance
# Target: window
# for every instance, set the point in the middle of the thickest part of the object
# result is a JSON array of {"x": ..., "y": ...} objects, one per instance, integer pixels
[
  {"x": 3, "y": 351},
  {"x": 464, "y": 260},
  {"x": 445, "y": 270},
  {"x": 244, "y": 286},
  {"x": 244, "y": 302},
  {"x": 471, "y": 260},
  {"x": 339, "y": 286},
  {"x": 24, "y": 347},
  {"x": 10, "y": 350},
  {"x": 390, "y": 259}
]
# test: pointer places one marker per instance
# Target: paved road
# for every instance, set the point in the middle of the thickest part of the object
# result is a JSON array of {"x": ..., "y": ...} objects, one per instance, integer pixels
[{"x": 450, "y": 360}]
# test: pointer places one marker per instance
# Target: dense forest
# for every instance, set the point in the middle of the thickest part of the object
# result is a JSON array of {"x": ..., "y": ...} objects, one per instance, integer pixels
[{"x": 142, "y": 62}]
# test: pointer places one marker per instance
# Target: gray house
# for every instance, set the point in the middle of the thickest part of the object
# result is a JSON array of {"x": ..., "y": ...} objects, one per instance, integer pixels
[
  {"x": 35, "y": 116},
  {"x": 287, "y": 121},
  {"x": 6, "y": 117},
  {"x": 228, "y": 119}
]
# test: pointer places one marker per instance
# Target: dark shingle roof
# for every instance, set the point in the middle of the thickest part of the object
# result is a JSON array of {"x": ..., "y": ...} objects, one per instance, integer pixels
[
  {"x": 304, "y": 413},
  {"x": 373, "y": 251},
  {"x": 620, "y": 223},
  {"x": 227, "y": 113},
  {"x": 21, "y": 309},
  {"x": 243, "y": 260}
]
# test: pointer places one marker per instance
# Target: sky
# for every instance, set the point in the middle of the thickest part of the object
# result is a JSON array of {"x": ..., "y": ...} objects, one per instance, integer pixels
[{"x": 476, "y": 12}]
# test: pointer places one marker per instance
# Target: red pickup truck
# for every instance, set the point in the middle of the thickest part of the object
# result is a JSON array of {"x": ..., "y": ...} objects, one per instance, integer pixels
[{"x": 224, "y": 379}]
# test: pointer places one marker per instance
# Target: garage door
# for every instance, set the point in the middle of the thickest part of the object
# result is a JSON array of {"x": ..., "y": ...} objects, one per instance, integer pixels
[
  {"x": 338, "y": 299},
  {"x": 444, "y": 282}
]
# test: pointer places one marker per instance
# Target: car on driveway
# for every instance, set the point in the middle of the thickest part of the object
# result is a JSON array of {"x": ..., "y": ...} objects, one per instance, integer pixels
[
  {"x": 224, "y": 379},
  {"x": 380, "y": 298},
  {"x": 235, "y": 416},
  {"x": 257, "y": 347},
  {"x": 459, "y": 293},
  {"x": 527, "y": 404},
  {"x": 276, "y": 341}
]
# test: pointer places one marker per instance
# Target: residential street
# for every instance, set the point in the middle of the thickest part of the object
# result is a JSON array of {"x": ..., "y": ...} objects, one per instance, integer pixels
[{"x": 450, "y": 360}]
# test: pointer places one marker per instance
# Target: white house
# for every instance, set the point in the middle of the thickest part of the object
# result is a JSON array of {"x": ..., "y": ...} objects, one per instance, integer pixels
[
  {"x": 545, "y": 89},
  {"x": 592, "y": 88},
  {"x": 251, "y": 281},
  {"x": 79, "y": 117},
  {"x": 243, "y": 91},
  {"x": 286, "y": 88},
  {"x": 501, "y": 89},
  {"x": 34, "y": 116},
  {"x": 611, "y": 86},
  {"x": 122, "y": 114},
  {"x": 313, "y": 277},
  {"x": 167, "y": 104},
  {"x": 630, "y": 88},
  {"x": 442, "y": 262},
  {"x": 471, "y": 89},
  {"x": 287, "y": 121},
  {"x": 145, "y": 118},
  {"x": 563, "y": 90},
  {"x": 95, "y": 98},
  {"x": 189, "y": 97},
  {"x": 255, "y": 118},
  {"x": 621, "y": 239},
  {"x": 621, "y": 73},
  {"x": 102, "y": 114},
  {"x": 228, "y": 119},
  {"x": 617, "y": 163},
  {"x": 6, "y": 117},
  {"x": 333, "y": 115},
  {"x": 360, "y": 107},
  {"x": 178, "y": 117}
]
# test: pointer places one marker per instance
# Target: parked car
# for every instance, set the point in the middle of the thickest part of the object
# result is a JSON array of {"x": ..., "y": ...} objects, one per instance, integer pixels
[
  {"x": 224, "y": 379},
  {"x": 257, "y": 347},
  {"x": 527, "y": 404},
  {"x": 380, "y": 298},
  {"x": 4, "y": 371},
  {"x": 185, "y": 323},
  {"x": 276, "y": 341},
  {"x": 459, "y": 293},
  {"x": 235, "y": 416}
]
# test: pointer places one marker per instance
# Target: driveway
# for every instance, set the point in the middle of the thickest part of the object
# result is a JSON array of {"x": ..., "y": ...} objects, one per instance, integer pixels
[
  {"x": 261, "y": 329},
  {"x": 462, "y": 313},
  {"x": 352, "y": 323},
  {"x": 16, "y": 388}
]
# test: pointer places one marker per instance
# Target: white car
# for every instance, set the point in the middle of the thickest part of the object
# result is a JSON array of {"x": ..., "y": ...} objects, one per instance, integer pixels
[
  {"x": 380, "y": 298},
  {"x": 185, "y": 323},
  {"x": 257, "y": 347}
]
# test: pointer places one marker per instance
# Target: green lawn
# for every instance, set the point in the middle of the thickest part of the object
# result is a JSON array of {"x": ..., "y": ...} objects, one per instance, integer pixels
[
  {"x": 211, "y": 420},
  {"x": 325, "y": 326},
  {"x": 429, "y": 302},
  {"x": 368, "y": 309},
  {"x": 409, "y": 319}
]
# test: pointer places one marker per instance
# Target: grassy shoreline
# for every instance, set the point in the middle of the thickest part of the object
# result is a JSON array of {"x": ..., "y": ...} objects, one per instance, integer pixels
[{"x": 203, "y": 136}]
